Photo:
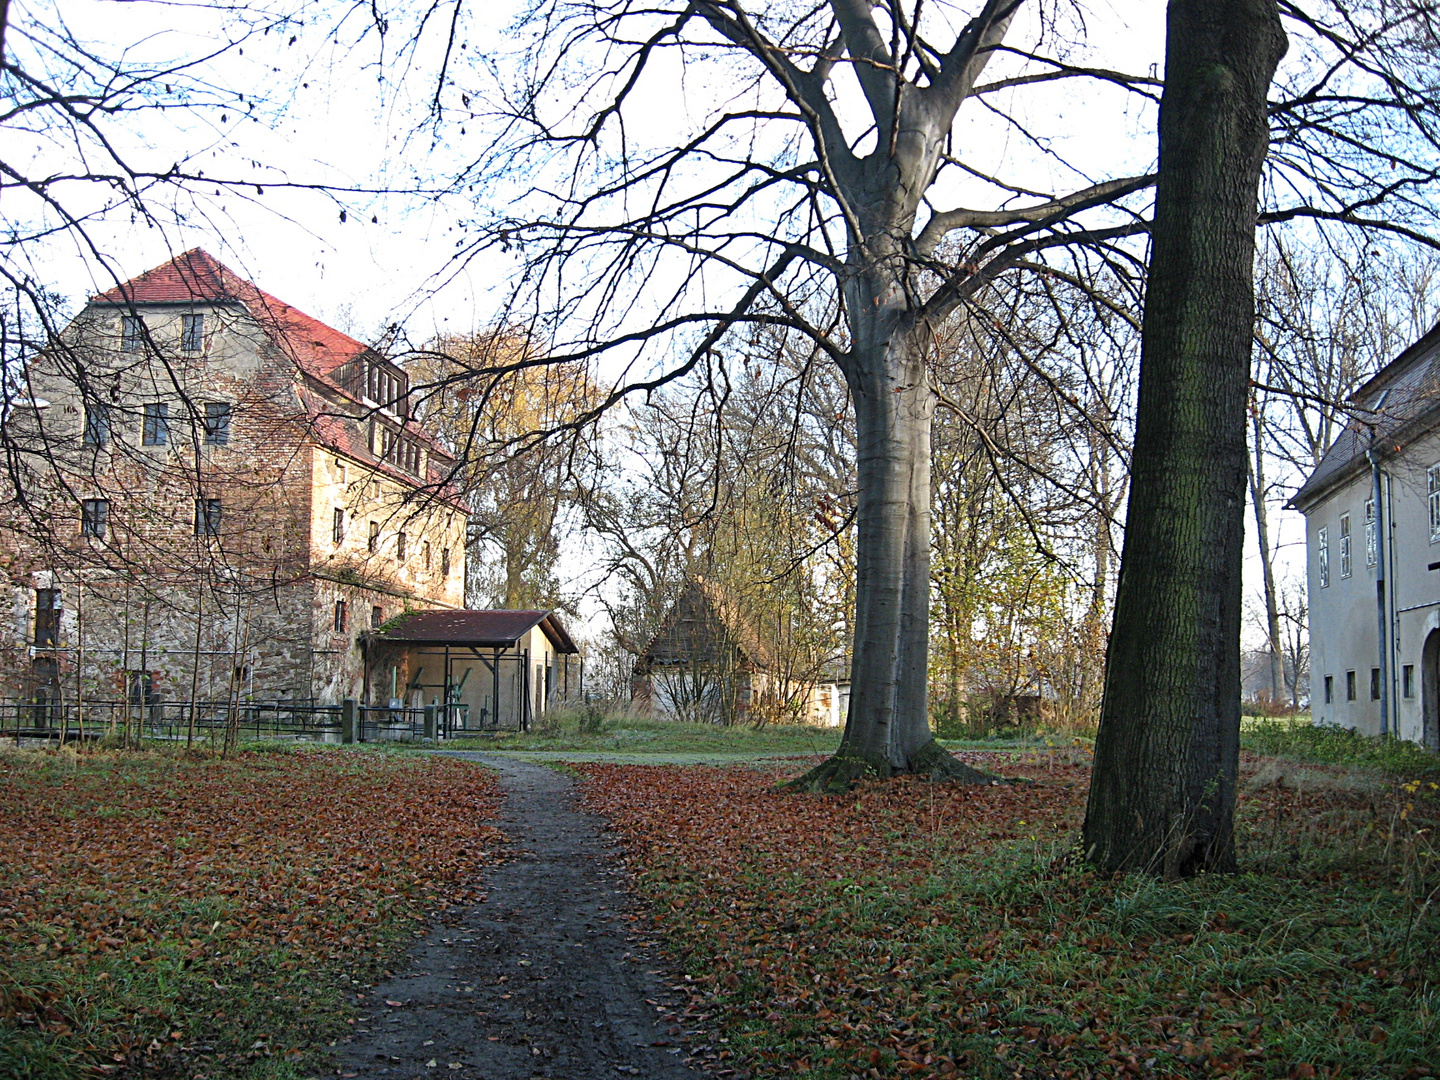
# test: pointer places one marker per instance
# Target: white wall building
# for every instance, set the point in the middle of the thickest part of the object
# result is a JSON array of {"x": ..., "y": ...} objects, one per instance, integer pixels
[{"x": 1374, "y": 578}]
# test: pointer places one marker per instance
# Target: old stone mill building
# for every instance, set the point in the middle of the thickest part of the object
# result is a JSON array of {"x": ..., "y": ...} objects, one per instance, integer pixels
[{"x": 226, "y": 500}]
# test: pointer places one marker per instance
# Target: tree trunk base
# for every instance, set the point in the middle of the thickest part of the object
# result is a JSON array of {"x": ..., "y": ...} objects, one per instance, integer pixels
[{"x": 840, "y": 773}]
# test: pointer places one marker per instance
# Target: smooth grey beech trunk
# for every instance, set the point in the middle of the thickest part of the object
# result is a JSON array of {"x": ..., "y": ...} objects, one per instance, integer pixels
[
  {"x": 1162, "y": 793},
  {"x": 887, "y": 730}
]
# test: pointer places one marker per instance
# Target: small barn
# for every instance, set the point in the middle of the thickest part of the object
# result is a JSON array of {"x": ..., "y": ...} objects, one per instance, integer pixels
[
  {"x": 494, "y": 670},
  {"x": 708, "y": 664}
]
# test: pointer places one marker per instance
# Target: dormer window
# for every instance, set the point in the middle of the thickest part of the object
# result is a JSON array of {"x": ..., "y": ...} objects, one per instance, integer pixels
[
  {"x": 387, "y": 387},
  {"x": 395, "y": 447}
]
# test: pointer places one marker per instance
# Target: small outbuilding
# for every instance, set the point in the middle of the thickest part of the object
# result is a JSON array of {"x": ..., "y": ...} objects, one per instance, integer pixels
[
  {"x": 493, "y": 670},
  {"x": 708, "y": 664}
]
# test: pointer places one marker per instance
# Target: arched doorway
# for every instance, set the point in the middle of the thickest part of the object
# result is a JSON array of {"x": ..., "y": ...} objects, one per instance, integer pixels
[{"x": 1430, "y": 670}]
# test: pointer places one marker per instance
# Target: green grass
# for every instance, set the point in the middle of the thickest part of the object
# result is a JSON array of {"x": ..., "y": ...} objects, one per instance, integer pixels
[
  {"x": 618, "y": 733},
  {"x": 910, "y": 922},
  {"x": 1299, "y": 740}
]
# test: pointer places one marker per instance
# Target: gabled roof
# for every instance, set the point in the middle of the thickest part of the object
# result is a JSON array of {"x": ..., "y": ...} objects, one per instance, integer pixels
[
  {"x": 1399, "y": 403},
  {"x": 702, "y": 621},
  {"x": 496, "y": 629},
  {"x": 198, "y": 277},
  {"x": 317, "y": 350}
]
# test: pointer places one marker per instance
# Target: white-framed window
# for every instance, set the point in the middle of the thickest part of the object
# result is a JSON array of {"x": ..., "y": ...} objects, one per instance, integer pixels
[
  {"x": 1370, "y": 534},
  {"x": 1345, "y": 545},
  {"x": 1407, "y": 680},
  {"x": 1322, "y": 556},
  {"x": 192, "y": 333},
  {"x": 217, "y": 423},
  {"x": 1432, "y": 475}
]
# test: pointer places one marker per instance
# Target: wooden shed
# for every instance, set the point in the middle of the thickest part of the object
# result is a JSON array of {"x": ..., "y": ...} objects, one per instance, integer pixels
[{"x": 494, "y": 670}]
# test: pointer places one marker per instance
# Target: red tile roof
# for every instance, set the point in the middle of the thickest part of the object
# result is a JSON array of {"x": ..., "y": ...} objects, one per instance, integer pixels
[
  {"x": 316, "y": 349},
  {"x": 198, "y": 276},
  {"x": 498, "y": 629}
]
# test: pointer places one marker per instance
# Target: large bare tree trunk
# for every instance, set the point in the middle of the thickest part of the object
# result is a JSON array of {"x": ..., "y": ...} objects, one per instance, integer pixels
[
  {"x": 1162, "y": 793},
  {"x": 888, "y": 728}
]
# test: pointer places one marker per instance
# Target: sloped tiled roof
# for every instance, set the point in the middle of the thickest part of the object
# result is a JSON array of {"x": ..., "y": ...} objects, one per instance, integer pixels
[
  {"x": 316, "y": 349},
  {"x": 495, "y": 629},
  {"x": 198, "y": 276},
  {"x": 699, "y": 625},
  {"x": 1401, "y": 402}
]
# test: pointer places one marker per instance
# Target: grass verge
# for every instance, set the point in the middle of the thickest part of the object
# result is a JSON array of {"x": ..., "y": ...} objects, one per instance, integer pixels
[
  {"x": 179, "y": 915},
  {"x": 619, "y": 733},
  {"x": 913, "y": 929}
]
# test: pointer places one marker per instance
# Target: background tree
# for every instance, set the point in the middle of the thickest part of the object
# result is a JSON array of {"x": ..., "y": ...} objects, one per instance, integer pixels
[{"x": 507, "y": 413}]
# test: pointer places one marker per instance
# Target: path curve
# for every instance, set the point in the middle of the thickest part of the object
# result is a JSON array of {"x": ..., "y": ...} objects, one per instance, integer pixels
[{"x": 543, "y": 978}]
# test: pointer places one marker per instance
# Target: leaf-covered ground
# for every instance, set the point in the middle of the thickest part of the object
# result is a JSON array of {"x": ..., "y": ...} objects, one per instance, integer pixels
[
  {"x": 932, "y": 930},
  {"x": 201, "y": 917}
]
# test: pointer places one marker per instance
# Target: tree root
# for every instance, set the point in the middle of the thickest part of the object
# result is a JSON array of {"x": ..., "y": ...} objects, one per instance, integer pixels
[
  {"x": 837, "y": 775},
  {"x": 934, "y": 762},
  {"x": 840, "y": 773}
]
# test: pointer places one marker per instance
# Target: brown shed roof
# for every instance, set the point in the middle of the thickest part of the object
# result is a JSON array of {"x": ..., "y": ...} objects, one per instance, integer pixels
[{"x": 481, "y": 629}]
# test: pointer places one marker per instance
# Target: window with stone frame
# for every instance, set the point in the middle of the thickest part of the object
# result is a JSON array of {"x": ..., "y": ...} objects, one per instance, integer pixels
[
  {"x": 94, "y": 518},
  {"x": 192, "y": 333},
  {"x": 155, "y": 427},
  {"x": 217, "y": 423},
  {"x": 97, "y": 424}
]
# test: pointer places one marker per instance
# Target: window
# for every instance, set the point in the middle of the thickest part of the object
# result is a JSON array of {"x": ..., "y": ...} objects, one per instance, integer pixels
[
  {"x": 97, "y": 424},
  {"x": 425, "y": 555},
  {"x": 444, "y": 562},
  {"x": 393, "y": 447},
  {"x": 47, "y": 617},
  {"x": 341, "y": 616},
  {"x": 1370, "y": 534},
  {"x": 1374, "y": 684},
  {"x": 207, "y": 517},
  {"x": 1349, "y": 686},
  {"x": 400, "y": 547},
  {"x": 1329, "y": 689},
  {"x": 217, "y": 423},
  {"x": 1432, "y": 475},
  {"x": 1344, "y": 545},
  {"x": 386, "y": 388},
  {"x": 338, "y": 534},
  {"x": 156, "y": 430},
  {"x": 377, "y": 617},
  {"x": 374, "y": 544},
  {"x": 192, "y": 333},
  {"x": 1322, "y": 556},
  {"x": 1407, "y": 680},
  {"x": 132, "y": 332},
  {"x": 94, "y": 517}
]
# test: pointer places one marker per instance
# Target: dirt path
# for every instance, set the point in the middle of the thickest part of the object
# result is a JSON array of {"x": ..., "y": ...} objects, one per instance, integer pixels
[{"x": 544, "y": 978}]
